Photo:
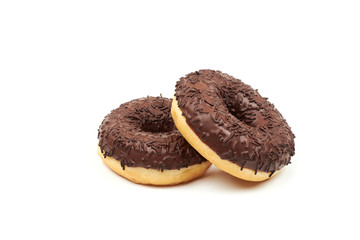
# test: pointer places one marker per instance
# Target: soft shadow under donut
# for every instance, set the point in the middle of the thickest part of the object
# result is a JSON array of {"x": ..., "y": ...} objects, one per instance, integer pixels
[{"x": 214, "y": 174}]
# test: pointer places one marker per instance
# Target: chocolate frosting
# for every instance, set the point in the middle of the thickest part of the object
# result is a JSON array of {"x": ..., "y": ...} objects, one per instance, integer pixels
[
  {"x": 142, "y": 133},
  {"x": 235, "y": 121}
]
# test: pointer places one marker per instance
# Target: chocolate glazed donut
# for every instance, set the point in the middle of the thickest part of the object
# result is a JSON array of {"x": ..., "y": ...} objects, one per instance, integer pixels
[
  {"x": 243, "y": 133},
  {"x": 140, "y": 142}
]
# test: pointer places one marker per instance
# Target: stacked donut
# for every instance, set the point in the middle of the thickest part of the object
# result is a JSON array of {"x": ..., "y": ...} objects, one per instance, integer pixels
[{"x": 213, "y": 118}]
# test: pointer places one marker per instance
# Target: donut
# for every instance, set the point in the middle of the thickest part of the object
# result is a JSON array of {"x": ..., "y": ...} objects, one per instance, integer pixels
[
  {"x": 140, "y": 142},
  {"x": 232, "y": 125}
]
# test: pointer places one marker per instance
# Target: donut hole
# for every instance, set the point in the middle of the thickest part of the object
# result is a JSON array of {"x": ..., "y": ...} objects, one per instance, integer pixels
[
  {"x": 242, "y": 116},
  {"x": 159, "y": 126},
  {"x": 151, "y": 115},
  {"x": 239, "y": 107}
]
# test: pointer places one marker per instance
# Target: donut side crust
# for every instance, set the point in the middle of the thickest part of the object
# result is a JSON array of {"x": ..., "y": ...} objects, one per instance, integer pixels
[
  {"x": 155, "y": 177},
  {"x": 209, "y": 154}
]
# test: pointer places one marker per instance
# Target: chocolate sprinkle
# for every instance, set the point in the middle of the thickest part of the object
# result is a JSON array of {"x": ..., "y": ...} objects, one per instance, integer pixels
[
  {"x": 142, "y": 133},
  {"x": 239, "y": 124}
]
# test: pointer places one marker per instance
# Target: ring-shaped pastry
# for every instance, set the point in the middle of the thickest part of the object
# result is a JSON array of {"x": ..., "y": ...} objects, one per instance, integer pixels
[
  {"x": 232, "y": 125},
  {"x": 140, "y": 142}
]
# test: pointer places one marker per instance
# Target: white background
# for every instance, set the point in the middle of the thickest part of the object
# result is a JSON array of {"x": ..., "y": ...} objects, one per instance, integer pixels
[{"x": 65, "y": 64}]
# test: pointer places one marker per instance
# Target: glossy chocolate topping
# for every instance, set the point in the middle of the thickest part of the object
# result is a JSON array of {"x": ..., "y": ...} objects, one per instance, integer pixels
[
  {"x": 235, "y": 121},
  {"x": 141, "y": 133}
]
